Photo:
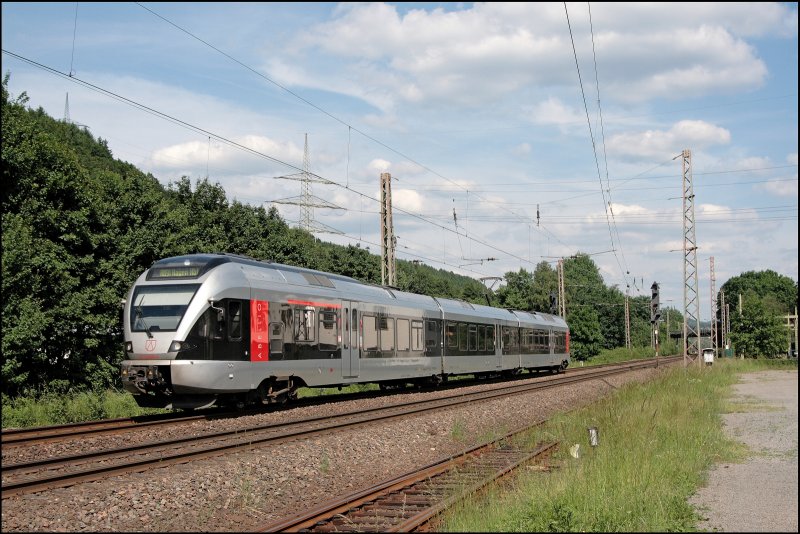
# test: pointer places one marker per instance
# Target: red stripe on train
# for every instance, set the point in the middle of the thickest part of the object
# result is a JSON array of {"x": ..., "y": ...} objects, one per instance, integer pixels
[{"x": 259, "y": 331}]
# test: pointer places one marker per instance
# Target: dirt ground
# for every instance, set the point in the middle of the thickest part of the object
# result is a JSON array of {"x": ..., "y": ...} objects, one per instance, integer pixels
[{"x": 760, "y": 494}]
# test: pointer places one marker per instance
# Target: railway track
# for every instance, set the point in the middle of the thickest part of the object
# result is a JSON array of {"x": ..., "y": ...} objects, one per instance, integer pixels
[
  {"x": 46, "y": 434},
  {"x": 49, "y": 473},
  {"x": 409, "y": 502},
  {"x": 30, "y": 436},
  {"x": 412, "y": 501}
]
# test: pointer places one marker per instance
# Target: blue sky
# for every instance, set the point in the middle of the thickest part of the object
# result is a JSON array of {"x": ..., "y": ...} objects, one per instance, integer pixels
[{"x": 474, "y": 108}]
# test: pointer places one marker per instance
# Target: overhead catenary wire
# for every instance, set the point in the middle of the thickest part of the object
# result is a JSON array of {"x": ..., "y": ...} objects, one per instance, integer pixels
[
  {"x": 337, "y": 119},
  {"x": 594, "y": 146},
  {"x": 603, "y": 138},
  {"x": 74, "y": 34},
  {"x": 434, "y": 188},
  {"x": 235, "y": 144}
]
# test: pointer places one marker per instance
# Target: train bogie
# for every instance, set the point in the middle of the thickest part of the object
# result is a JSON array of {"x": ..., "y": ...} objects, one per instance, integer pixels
[{"x": 218, "y": 328}]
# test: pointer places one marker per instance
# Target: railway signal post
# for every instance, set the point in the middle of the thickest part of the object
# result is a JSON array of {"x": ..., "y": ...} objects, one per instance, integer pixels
[{"x": 655, "y": 314}]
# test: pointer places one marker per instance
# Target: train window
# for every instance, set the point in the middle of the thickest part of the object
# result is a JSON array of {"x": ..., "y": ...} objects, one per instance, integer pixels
[
  {"x": 304, "y": 324},
  {"x": 490, "y": 338},
  {"x": 403, "y": 335},
  {"x": 433, "y": 335},
  {"x": 542, "y": 342},
  {"x": 506, "y": 336},
  {"x": 235, "y": 320},
  {"x": 481, "y": 338},
  {"x": 473, "y": 338},
  {"x": 370, "y": 331},
  {"x": 327, "y": 318},
  {"x": 275, "y": 339},
  {"x": 160, "y": 308},
  {"x": 354, "y": 330},
  {"x": 452, "y": 336},
  {"x": 387, "y": 336},
  {"x": 328, "y": 329},
  {"x": 416, "y": 335},
  {"x": 462, "y": 336},
  {"x": 346, "y": 337}
]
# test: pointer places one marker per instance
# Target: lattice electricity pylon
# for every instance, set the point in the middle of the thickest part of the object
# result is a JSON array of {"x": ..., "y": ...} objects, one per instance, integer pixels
[
  {"x": 691, "y": 303},
  {"x": 306, "y": 200},
  {"x": 627, "y": 323},
  {"x": 562, "y": 300},
  {"x": 388, "y": 241},
  {"x": 713, "y": 306},
  {"x": 723, "y": 320}
]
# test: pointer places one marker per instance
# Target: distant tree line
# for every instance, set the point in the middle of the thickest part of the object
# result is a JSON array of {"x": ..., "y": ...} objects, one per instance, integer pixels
[{"x": 78, "y": 227}]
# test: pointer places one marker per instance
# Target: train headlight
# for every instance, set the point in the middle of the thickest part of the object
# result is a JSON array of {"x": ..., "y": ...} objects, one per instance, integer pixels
[
  {"x": 128, "y": 346},
  {"x": 124, "y": 372},
  {"x": 177, "y": 346}
]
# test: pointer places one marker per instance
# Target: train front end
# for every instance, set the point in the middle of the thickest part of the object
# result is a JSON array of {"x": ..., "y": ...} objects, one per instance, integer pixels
[{"x": 165, "y": 310}]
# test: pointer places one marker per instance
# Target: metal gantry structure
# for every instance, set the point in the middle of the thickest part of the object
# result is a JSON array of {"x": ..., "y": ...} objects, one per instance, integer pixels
[
  {"x": 627, "y": 322},
  {"x": 723, "y": 323},
  {"x": 306, "y": 200},
  {"x": 388, "y": 241},
  {"x": 691, "y": 302},
  {"x": 562, "y": 301},
  {"x": 713, "y": 307}
]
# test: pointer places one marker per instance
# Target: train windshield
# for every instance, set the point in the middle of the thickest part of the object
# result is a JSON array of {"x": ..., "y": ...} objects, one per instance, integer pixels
[{"x": 160, "y": 308}]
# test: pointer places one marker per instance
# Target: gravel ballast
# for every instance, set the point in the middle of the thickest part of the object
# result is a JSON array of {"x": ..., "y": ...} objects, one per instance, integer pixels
[{"x": 245, "y": 490}]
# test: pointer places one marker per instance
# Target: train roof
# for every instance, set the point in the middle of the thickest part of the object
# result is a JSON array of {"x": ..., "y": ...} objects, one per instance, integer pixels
[
  {"x": 205, "y": 262},
  {"x": 539, "y": 317},
  {"x": 196, "y": 265}
]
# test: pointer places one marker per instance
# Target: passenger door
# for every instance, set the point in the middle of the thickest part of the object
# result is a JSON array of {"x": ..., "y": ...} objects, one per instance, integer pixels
[{"x": 350, "y": 339}]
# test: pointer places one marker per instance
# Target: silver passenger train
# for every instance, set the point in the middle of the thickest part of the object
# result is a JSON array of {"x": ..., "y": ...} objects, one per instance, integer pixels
[{"x": 226, "y": 329}]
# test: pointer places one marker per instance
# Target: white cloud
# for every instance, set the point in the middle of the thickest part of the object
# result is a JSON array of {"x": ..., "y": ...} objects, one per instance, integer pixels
[
  {"x": 379, "y": 165},
  {"x": 553, "y": 111},
  {"x": 407, "y": 200},
  {"x": 197, "y": 154},
  {"x": 658, "y": 145},
  {"x": 495, "y": 49},
  {"x": 522, "y": 149},
  {"x": 781, "y": 188}
]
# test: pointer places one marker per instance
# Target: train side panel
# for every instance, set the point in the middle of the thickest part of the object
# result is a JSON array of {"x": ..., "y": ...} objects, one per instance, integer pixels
[{"x": 202, "y": 326}]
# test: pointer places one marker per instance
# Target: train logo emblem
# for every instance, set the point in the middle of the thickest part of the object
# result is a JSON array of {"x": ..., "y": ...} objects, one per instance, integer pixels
[{"x": 150, "y": 345}]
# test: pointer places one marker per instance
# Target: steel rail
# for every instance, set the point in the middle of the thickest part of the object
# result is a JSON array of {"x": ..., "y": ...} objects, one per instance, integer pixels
[
  {"x": 254, "y": 437},
  {"x": 408, "y": 501},
  {"x": 34, "y": 435}
]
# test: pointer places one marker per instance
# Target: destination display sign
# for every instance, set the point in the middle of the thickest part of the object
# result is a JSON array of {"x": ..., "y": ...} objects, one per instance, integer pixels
[{"x": 172, "y": 273}]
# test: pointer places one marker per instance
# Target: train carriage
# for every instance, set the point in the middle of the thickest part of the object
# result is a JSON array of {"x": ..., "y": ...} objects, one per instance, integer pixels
[{"x": 220, "y": 328}]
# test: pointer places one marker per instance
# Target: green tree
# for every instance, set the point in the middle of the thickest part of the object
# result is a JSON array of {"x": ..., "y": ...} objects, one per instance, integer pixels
[
  {"x": 756, "y": 332},
  {"x": 53, "y": 321},
  {"x": 586, "y": 338},
  {"x": 778, "y": 292},
  {"x": 517, "y": 293},
  {"x": 545, "y": 282}
]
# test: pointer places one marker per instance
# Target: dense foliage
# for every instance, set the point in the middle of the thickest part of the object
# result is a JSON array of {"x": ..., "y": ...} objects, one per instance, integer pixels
[
  {"x": 777, "y": 293},
  {"x": 79, "y": 226},
  {"x": 759, "y": 329}
]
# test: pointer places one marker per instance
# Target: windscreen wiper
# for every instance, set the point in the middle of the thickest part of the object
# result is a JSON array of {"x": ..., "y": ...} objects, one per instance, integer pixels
[{"x": 140, "y": 316}]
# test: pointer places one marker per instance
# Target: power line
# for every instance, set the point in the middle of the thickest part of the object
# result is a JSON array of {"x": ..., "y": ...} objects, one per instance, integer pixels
[
  {"x": 236, "y": 145},
  {"x": 603, "y": 137},
  {"x": 335, "y": 118},
  {"x": 622, "y": 180},
  {"x": 594, "y": 147}
]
